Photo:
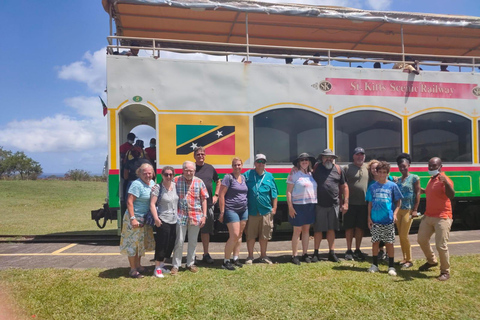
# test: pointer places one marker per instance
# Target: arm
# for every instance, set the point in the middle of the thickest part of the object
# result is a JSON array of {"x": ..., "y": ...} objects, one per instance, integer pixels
[
  {"x": 397, "y": 204},
  {"x": 417, "y": 190},
  {"x": 133, "y": 222},
  {"x": 291, "y": 210},
  {"x": 204, "y": 210},
  {"x": 218, "y": 183},
  {"x": 274, "y": 205},
  {"x": 370, "y": 222},
  {"x": 448, "y": 186},
  {"x": 344, "y": 200},
  {"x": 221, "y": 202}
]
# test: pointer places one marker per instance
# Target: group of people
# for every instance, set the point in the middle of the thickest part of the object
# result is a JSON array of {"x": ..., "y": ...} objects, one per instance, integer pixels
[{"x": 319, "y": 193}]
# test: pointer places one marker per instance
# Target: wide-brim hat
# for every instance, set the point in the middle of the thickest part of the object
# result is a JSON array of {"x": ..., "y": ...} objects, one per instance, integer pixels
[
  {"x": 304, "y": 155},
  {"x": 328, "y": 153}
]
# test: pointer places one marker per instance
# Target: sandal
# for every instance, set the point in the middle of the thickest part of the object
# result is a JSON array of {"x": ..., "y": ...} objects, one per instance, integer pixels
[
  {"x": 135, "y": 274},
  {"x": 407, "y": 265},
  {"x": 141, "y": 269}
]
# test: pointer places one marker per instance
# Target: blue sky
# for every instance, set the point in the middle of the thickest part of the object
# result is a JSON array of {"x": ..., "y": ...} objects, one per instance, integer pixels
[{"x": 52, "y": 66}]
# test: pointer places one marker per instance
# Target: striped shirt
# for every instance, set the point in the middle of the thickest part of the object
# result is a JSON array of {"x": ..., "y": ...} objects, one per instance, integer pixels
[
  {"x": 304, "y": 187},
  {"x": 190, "y": 198}
]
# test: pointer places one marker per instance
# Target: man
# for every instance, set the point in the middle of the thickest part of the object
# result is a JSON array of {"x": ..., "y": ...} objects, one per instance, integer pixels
[
  {"x": 208, "y": 174},
  {"x": 262, "y": 206},
  {"x": 127, "y": 145},
  {"x": 151, "y": 152},
  {"x": 355, "y": 220},
  {"x": 331, "y": 186},
  {"x": 192, "y": 211},
  {"x": 438, "y": 219}
]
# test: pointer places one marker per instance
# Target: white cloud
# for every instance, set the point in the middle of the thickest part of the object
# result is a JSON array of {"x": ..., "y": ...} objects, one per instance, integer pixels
[
  {"x": 380, "y": 4},
  {"x": 86, "y": 106},
  {"x": 54, "y": 134},
  {"x": 91, "y": 70}
]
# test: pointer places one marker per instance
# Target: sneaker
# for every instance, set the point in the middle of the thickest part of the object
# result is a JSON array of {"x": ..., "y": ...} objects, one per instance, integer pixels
[
  {"x": 207, "y": 258},
  {"x": 349, "y": 255},
  {"x": 174, "y": 271},
  {"x": 381, "y": 255},
  {"x": 443, "y": 277},
  {"x": 237, "y": 263},
  {"x": 228, "y": 265},
  {"x": 193, "y": 268},
  {"x": 426, "y": 266},
  {"x": 295, "y": 260},
  {"x": 266, "y": 260},
  {"x": 249, "y": 260},
  {"x": 332, "y": 257},
  {"x": 315, "y": 258},
  {"x": 392, "y": 272},
  {"x": 373, "y": 268},
  {"x": 407, "y": 265},
  {"x": 306, "y": 258},
  {"x": 158, "y": 272},
  {"x": 359, "y": 255}
]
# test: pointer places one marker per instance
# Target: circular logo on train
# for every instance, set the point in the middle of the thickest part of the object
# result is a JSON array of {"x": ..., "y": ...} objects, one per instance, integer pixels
[
  {"x": 325, "y": 86},
  {"x": 476, "y": 91},
  {"x": 137, "y": 99}
]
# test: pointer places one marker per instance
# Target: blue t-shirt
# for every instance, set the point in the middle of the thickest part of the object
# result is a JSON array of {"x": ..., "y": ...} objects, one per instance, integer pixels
[
  {"x": 261, "y": 190},
  {"x": 407, "y": 188},
  {"x": 383, "y": 197},
  {"x": 141, "y": 191}
]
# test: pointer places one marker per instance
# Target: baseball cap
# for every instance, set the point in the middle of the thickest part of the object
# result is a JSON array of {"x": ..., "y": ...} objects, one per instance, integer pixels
[
  {"x": 260, "y": 156},
  {"x": 358, "y": 150}
]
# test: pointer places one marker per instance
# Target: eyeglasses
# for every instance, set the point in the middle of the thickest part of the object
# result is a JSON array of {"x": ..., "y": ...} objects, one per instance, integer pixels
[
  {"x": 304, "y": 159},
  {"x": 261, "y": 161},
  {"x": 167, "y": 174}
]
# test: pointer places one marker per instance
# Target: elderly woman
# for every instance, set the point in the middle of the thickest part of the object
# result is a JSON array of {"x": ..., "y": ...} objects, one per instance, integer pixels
[
  {"x": 409, "y": 185},
  {"x": 163, "y": 206},
  {"x": 233, "y": 211},
  {"x": 136, "y": 237},
  {"x": 301, "y": 199}
]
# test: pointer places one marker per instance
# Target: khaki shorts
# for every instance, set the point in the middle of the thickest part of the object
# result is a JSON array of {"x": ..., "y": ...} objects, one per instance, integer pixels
[{"x": 260, "y": 227}]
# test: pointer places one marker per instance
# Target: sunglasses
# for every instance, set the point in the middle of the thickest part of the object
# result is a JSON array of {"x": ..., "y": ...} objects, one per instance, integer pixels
[
  {"x": 304, "y": 159},
  {"x": 167, "y": 174},
  {"x": 261, "y": 161}
]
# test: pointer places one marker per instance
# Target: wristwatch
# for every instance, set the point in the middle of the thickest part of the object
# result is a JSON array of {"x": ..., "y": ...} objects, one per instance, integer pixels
[{"x": 132, "y": 217}]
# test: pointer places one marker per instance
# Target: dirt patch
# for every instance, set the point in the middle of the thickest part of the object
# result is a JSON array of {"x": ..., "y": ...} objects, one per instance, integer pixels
[{"x": 8, "y": 307}]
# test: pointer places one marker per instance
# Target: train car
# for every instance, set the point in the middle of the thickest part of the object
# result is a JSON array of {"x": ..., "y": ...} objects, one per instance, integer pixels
[{"x": 213, "y": 74}]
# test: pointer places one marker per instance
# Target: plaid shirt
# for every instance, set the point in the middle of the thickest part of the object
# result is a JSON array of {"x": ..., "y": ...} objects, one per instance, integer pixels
[{"x": 190, "y": 199}]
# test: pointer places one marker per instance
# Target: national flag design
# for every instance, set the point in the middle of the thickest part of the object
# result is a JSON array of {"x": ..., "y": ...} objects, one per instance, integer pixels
[
  {"x": 105, "y": 109},
  {"x": 217, "y": 140}
]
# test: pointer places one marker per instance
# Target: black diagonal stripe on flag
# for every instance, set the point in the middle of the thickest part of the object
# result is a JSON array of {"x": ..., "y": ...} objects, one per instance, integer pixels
[{"x": 206, "y": 139}]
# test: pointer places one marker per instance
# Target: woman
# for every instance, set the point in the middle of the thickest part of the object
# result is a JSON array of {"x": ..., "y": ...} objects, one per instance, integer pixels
[
  {"x": 301, "y": 199},
  {"x": 409, "y": 185},
  {"x": 136, "y": 237},
  {"x": 233, "y": 211},
  {"x": 163, "y": 206}
]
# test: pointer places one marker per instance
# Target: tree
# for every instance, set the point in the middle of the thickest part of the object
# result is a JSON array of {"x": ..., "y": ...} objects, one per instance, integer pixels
[{"x": 18, "y": 164}]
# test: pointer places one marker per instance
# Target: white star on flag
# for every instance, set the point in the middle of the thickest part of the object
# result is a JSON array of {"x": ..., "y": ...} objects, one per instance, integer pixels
[
  {"x": 219, "y": 134},
  {"x": 193, "y": 146}
]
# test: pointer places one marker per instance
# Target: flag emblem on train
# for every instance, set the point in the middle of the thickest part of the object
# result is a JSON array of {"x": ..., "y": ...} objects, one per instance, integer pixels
[{"x": 217, "y": 140}]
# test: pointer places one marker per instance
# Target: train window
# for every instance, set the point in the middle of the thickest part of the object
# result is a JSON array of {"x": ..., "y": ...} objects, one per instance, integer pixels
[
  {"x": 379, "y": 133},
  {"x": 441, "y": 134},
  {"x": 282, "y": 134}
]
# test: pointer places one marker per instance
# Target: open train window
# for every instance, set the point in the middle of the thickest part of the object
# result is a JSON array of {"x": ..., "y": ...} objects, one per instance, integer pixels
[
  {"x": 441, "y": 134},
  {"x": 282, "y": 134},
  {"x": 379, "y": 133}
]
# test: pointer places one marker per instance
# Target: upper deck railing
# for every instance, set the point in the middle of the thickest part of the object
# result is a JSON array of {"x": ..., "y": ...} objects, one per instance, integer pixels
[{"x": 156, "y": 46}]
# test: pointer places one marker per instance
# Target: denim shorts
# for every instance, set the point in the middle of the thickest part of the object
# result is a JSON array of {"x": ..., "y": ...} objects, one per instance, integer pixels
[{"x": 233, "y": 216}]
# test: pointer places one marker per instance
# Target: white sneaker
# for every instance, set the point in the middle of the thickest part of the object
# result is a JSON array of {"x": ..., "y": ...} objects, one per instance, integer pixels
[
  {"x": 392, "y": 272},
  {"x": 158, "y": 272},
  {"x": 373, "y": 268},
  {"x": 249, "y": 261}
]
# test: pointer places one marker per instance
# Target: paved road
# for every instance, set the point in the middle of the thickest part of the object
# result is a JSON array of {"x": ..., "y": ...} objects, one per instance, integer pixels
[{"x": 81, "y": 255}]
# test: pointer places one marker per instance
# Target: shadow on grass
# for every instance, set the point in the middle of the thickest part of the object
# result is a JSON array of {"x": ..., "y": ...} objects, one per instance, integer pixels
[{"x": 404, "y": 275}]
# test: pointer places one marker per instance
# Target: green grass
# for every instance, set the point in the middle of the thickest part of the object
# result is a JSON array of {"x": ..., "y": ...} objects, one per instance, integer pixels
[
  {"x": 281, "y": 291},
  {"x": 50, "y": 206}
]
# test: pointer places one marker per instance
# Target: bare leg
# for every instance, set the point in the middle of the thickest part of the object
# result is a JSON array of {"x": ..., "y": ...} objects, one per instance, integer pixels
[
  {"x": 331, "y": 239},
  {"x": 358, "y": 238},
  {"x": 236, "y": 249},
  {"x": 263, "y": 247},
  {"x": 250, "y": 245},
  {"x": 234, "y": 232},
  {"x": 349, "y": 238},
  {"x": 305, "y": 238},
  {"x": 317, "y": 236},
  {"x": 205, "y": 241},
  {"x": 295, "y": 238}
]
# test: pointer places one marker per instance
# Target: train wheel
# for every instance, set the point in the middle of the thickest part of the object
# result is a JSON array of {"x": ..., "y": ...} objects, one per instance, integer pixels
[{"x": 471, "y": 217}]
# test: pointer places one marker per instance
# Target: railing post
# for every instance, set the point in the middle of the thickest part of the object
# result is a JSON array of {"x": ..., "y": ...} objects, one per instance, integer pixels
[{"x": 246, "y": 31}]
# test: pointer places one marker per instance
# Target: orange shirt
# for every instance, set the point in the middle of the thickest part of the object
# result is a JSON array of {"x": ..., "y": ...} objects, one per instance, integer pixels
[{"x": 438, "y": 204}]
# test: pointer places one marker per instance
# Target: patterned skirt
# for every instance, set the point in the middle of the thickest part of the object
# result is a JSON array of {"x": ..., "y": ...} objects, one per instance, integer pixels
[{"x": 136, "y": 241}]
